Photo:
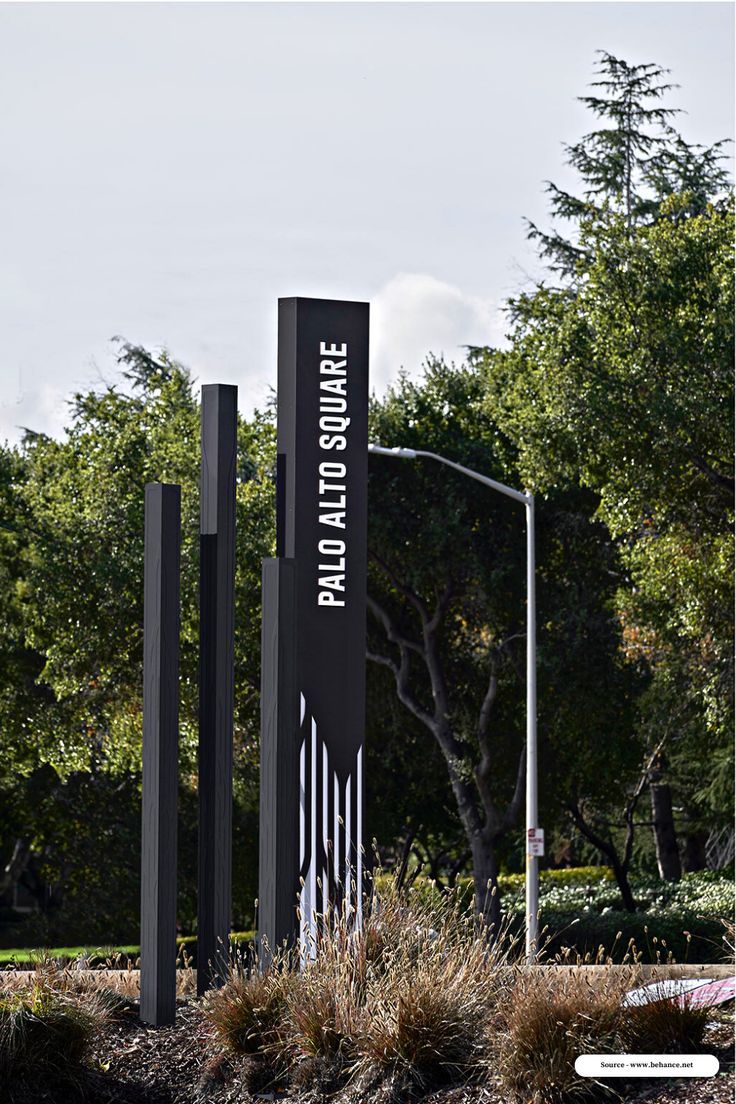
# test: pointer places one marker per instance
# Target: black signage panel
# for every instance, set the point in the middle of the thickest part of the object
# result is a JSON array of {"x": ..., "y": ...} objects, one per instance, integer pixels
[{"x": 322, "y": 523}]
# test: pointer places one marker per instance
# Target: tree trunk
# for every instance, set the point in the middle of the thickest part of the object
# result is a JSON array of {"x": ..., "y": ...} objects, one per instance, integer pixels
[
  {"x": 622, "y": 880},
  {"x": 485, "y": 878},
  {"x": 15, "y": 867},
  {"x": 665, "y": 838},
  {"x": 694, "y": 857},
  {"x": 607, "y": 848},
  {"x": 411, "y": 833}
]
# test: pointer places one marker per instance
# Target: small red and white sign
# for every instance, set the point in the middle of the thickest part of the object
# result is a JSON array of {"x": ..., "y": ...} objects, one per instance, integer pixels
[{"x": 535, "y": 841}]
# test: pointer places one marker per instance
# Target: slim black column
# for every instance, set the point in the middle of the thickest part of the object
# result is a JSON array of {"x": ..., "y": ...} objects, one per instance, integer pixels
[
  {"x": 160, "y": 752},
  {"x": 216, "y": 642},
  {"x": 278, "y": 881}
]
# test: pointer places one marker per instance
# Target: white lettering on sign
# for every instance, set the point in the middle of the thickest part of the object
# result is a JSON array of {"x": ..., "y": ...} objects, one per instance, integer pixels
[{"x": 332, "y": 485}]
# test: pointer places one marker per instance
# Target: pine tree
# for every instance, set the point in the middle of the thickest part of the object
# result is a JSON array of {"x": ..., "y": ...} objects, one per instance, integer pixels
[{"x": 632, "y": 163}]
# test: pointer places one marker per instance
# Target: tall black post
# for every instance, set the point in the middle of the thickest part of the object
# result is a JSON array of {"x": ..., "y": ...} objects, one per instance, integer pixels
[
  {"x": 216, "y": 642},
  {"x": 322, "y": 520},
  {"x": 278, "y": 886},
  {"x": 160, "y": 752}
]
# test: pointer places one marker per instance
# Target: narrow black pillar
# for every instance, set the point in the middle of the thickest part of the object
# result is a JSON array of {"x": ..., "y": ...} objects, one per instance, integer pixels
[
  {"x": 216, "y": 643},
  {"x": 160, "y": 752},
  {"x": 278, "y": 881}
]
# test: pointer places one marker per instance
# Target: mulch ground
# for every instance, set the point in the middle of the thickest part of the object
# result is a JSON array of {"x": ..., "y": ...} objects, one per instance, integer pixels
[{"x": 137, "y": 1064}]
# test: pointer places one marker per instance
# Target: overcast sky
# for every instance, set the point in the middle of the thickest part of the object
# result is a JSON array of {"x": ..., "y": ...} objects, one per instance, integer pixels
[{"x": 167, "y": 171}]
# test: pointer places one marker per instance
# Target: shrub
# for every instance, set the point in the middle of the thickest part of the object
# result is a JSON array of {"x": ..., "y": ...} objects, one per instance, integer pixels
[
  {"x": 663, "y": 1027},
  {"x": 248, "y": 1011},
  {"x": 45, "y": 1034},
  {"x": 574, "y": 876},
  {"x": 580, "y": 908},
  {"x": 683, "y": 937},
  {"x": 551, "y": 1020},
  {"x": 26, "y": 958}
]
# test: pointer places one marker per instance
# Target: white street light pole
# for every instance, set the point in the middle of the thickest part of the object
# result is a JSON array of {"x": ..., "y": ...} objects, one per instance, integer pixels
[{"x": 532, "y": 861}]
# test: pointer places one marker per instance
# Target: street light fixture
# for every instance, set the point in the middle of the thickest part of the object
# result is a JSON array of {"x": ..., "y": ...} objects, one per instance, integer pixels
[{"x": 532, "y": 860}]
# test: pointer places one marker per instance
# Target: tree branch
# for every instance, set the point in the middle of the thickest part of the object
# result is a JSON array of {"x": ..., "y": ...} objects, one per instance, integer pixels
[
  {"x": 400, "y": 670},
  {"x": 440, "y": 609},
  {"x": 406, "y": 591},
  {"x": 514, "y": 807},
  {"x": 724, "y": 483}
]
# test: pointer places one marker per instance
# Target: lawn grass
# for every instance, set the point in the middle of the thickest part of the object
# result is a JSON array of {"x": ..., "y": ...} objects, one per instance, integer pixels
[
  {"x": 29, "y": 956},
  {"x": 24, "y": 955}
]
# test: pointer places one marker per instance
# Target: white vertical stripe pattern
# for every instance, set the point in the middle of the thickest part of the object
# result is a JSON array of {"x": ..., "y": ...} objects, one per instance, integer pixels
[
  {"x": 313, "y": 855},
  {"x": 359, "y": 836},
  {"x": 302, "y": 803},
  {"x": 334, "y": 864},
  {"x": 325, "y": 829},
  {"x": 348, "y": 841}
]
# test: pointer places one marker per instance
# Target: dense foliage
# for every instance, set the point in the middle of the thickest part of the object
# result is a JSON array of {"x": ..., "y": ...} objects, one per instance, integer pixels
[{"x": 72, "y": 549}]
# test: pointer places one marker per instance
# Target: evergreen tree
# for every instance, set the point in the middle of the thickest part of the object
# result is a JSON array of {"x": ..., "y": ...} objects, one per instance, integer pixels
[
  {"x": 633, "y": 162},
  {"x": 621, "y": 381}
]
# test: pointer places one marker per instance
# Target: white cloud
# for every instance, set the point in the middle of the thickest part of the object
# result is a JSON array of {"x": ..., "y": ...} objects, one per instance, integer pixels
[
  {"x": 42, "y": 409},
  {"x": 415, "y": 314}
]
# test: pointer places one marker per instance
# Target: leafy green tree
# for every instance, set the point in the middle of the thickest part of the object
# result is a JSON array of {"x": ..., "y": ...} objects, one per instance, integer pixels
[
  {"x": 447, "y": 614},
  {"x": 410, "y": 809},
  {"x": 447, "y": 598},
  {"x": 621, "y": 381},
  {"x": 74, "y": 617}
]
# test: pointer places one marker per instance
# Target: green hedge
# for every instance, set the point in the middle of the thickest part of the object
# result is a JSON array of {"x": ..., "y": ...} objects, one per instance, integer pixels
[
  {"x": 580, "y": 908},
  {"x": 687, "y": 937}
]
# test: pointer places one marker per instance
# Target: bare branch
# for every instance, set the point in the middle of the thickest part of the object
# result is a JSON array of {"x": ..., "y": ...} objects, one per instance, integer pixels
[
  {"x": 440, "y": 609},
  {"x": 484, "y": 767},
  {"x": 385, "y": 661},
  {"x": 402, "y": 588},
  {"x": 514, "y": 808},
  {"x": 391, "y": 629},
  {"x": 401, "y": 670},
  {"x": 484, "y": 718},
  {"x": 725, "y": 483}
]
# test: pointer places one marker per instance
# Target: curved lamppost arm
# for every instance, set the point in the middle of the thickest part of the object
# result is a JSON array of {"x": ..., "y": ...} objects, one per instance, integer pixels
[{"x": 532, "y": 861}]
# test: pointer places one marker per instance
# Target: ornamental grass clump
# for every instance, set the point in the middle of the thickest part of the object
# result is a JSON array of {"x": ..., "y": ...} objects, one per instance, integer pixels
[
  {"x": 551, "y": 1019},
  {"x": 248, "y": 1011},
  {"x": 324, "y": 1005},
  {"x": 247, "y": 1015},
  {"x": 407, "y": 1002},
  {"x": 426, "y": 1027},
  {"x": 663, "y": 1027},
  {"x": 46, "y": 1035},
  {"x": 431, "y": 998}
]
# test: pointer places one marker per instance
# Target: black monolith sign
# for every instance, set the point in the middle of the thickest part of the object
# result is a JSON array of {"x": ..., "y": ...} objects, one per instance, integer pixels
[
  {"x": 216, "y": 680},
  {"x": 160, "y": 752},
  {"x": 322, "y": 471}
]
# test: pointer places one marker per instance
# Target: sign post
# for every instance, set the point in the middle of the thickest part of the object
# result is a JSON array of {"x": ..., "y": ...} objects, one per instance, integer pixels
[{"x": 322, "y": 528}]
